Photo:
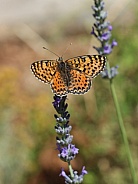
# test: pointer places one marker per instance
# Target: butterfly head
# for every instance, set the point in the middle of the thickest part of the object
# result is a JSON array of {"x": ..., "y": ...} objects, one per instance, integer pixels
[
  {"x": 60, "y": 59},
  {"x": 61, "y": 65}
]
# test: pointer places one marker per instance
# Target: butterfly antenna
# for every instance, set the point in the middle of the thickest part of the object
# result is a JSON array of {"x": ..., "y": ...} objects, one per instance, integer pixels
[
  {"x": 66, "y": 49},
  {"x": 50, "y": 51}
]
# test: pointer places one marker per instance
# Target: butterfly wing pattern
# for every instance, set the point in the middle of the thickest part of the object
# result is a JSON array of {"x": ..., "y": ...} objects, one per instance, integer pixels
[
  {"x": 90, "y": 65},
  {"x": 58, "y": 85},
  {"x": 44, "y": 70},
  {"x": 72, "y": 76},
  {"x": 84, "y": 68},
  {"x": 80, "y": 83}
]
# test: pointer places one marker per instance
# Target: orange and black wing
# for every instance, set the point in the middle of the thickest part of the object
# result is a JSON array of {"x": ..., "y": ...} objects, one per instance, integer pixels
[
  {"x": 44, "y": 70},
  {"x": 90, "y": 65}
]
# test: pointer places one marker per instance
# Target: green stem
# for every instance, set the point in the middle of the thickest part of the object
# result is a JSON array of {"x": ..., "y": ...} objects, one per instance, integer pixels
[
  {"x": 122, "y": 128},
  {"x": 70, "y": 170}
]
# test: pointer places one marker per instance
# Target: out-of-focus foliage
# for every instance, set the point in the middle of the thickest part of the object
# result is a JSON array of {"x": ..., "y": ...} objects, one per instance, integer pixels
[{"x": 27, "y": 137}]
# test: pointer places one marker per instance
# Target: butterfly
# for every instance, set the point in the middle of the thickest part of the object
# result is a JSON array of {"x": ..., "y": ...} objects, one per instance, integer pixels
[{"x": 71, "y": 76}]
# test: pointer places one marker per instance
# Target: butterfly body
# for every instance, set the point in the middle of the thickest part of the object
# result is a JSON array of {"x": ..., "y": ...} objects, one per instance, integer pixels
[{"x": 71, "y": 76}]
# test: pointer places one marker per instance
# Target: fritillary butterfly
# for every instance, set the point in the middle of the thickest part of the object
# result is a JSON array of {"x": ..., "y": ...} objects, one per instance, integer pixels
[{"x": 71, "y": 76}]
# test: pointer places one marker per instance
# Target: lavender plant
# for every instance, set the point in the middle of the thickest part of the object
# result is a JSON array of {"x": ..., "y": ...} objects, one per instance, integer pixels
[
  {"x": 67, "y": 150},
  {"x": 102, "y": 31}
]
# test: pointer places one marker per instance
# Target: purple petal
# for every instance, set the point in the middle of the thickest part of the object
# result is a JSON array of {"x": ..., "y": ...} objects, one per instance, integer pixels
[
  {"x": 64, "y": 152},
  {"x": 65, "y": 176},
  {"x": 110, "y": 28},
  {"x": 114, "y": 43},
  {"x": 74, "y": 150},
  {"x": 63, "y": 173},
  {"x": 84, "y": 171},
  {"x": 107, "y": 49},
  {"x": 106, "y": 36}
]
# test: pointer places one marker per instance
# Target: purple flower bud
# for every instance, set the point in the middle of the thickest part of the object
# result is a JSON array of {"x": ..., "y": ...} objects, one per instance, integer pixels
[
  {"x": 102, "y": 29},
  {"x": 68, "y": 152},
  {"x": 110, "y": 28},
  {"x": 64, "y": 152},
  {"x": 83, "y": 172},
  {"x": 93, "y": 32},
  {"x": 67, "y": 179},
  {"x": 56, "y": 102},
  {"x": 107, "y": 49},
  {"x": 74, "y": 149},
  {"x": 106, "y": 36},
  {"x": 63, "y": 173},
  {"x": 114, "y": 43}
]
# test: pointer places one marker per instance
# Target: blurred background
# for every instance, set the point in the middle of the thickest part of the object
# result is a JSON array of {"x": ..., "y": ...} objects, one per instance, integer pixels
[{"x": 27, "y": 136}]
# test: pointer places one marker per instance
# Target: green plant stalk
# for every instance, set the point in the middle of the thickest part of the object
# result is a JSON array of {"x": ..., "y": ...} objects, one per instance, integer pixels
[
  {"x": 122, "y": 127},
  {"x": 70, "y": 170}
]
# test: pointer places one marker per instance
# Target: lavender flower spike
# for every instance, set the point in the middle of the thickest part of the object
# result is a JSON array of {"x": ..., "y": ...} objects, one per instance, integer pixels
[
  {"x": 101, "y": 30},
  {"x": 67, "y": 150}
]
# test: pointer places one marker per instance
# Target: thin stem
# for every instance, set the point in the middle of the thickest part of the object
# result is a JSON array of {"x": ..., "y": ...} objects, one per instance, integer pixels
[
  {"x": 108, "y": 69},
  {"x": 122, "y": 127},
  {"x": 70, "y": 170}
]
